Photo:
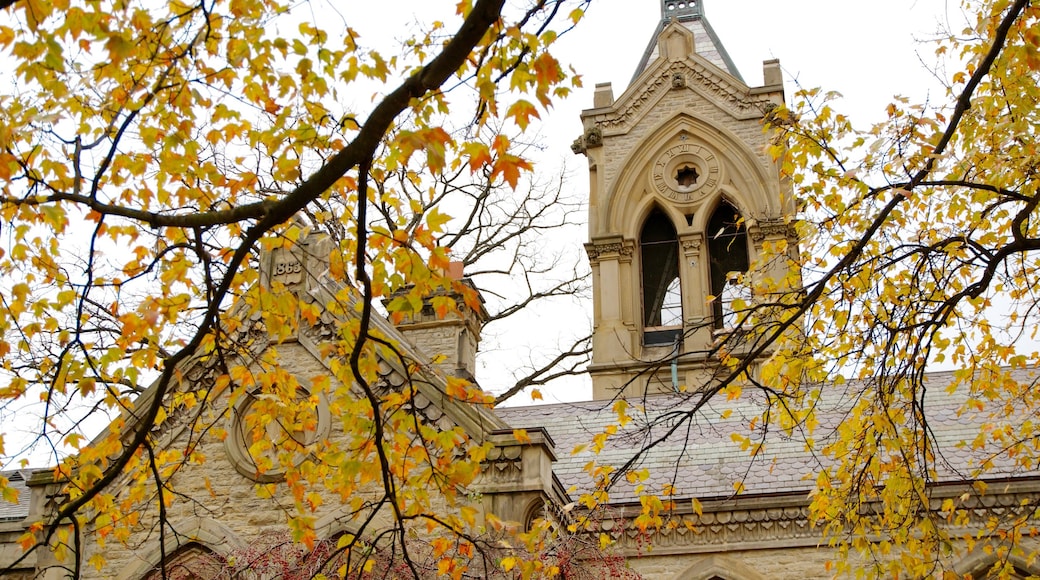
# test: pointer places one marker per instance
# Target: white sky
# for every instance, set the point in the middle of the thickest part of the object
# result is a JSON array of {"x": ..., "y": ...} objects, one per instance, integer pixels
[{"x": 867, "y": 51}]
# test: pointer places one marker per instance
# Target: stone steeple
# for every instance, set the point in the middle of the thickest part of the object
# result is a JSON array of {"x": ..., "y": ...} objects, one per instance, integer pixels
[
  {"x": 690, "y": 14},
  {"x": 683, "y": 198}
]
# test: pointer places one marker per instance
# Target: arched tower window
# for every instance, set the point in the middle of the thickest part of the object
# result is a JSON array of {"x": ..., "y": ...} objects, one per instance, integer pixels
[
  {"x": 728, "y": 253},
  {"x": 662, "y": 294}
]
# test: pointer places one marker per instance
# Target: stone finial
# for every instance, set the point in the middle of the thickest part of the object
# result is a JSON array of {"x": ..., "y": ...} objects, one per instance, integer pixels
[
  {"x": 771, "y": 73},
  {"x": 604, "y": 96},
  {"x": 676, "y": 43}
]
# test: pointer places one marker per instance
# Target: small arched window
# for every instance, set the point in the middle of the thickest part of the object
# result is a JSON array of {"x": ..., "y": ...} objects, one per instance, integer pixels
[
  {"x": 728, "y": 256},
  {"x": 662, "y": 292}
]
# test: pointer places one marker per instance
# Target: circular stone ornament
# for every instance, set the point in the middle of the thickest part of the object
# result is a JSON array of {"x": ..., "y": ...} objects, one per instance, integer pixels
[
  {"x": 254, "y": 452},
  {"x": 686, "y": 173}
]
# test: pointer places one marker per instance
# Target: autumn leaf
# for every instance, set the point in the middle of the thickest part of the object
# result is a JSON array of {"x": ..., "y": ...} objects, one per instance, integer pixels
[
  {"x": 509, "y": 167},
  {"x": 521, "y": 111}
]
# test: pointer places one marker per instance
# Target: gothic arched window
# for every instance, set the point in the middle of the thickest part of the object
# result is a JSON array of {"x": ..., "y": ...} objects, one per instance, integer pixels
[
  {"x": 728, "y": 257},
  {"x": 662, "y": 294}
]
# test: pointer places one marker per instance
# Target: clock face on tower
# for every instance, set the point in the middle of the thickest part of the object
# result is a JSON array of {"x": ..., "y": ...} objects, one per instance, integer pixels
[{"x": 686, "y": 173}]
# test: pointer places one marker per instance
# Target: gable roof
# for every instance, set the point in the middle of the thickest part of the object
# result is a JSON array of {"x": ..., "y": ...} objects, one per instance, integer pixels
[
  {"x": 431, "y": 401},
  {"x": 702, "y": 459}
]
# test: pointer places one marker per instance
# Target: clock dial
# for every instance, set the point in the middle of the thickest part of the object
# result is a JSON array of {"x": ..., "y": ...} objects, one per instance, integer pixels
[{"x": 686, "y": 173}]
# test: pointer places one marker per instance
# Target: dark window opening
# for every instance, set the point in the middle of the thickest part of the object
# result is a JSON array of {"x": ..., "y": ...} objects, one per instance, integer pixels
[
  {"x": 662, "y": 293},
  {"x": 728, "y": 255}
]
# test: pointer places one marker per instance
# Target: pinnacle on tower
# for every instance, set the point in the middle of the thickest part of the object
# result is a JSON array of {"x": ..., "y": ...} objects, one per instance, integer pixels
[{"x": 683, "y": 10}]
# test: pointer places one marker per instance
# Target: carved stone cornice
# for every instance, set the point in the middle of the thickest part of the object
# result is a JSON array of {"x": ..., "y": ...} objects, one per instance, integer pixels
[
  {"x": 503, "y": 464},
  {"x": 772, "y": 229},
  {"x": 784, "y": 521},
  {"x": 624, "y": 116},
  {"x": 727, "y": 527},
  {"x": 613, "y": 247},
  {"x": 738, "y": 100}
]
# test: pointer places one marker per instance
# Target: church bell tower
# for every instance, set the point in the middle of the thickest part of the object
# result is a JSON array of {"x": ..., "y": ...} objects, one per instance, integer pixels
[{"x": 683, "y": 196}]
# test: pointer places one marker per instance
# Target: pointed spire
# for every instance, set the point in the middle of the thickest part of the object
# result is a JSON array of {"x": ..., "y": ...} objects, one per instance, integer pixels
[{"x": 690, "y": 13}]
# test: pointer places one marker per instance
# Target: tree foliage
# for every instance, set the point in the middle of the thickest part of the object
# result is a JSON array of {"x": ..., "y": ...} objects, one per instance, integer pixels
[
  {"x": 918, "y": 251},
  {"x": 150, "y": 152},
  {"x": 921, "y": 254}
]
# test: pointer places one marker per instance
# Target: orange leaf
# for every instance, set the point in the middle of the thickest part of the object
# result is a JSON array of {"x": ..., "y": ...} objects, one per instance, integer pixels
[
  {"x": 522, "y": 111},
  {"x": 509, "y": 167},
  {"x": 478, "y": 153}
]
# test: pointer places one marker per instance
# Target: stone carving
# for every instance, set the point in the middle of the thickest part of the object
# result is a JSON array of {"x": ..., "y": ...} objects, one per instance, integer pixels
[
  {"x": 286, "y": 268},
  {"x": 503, "y": 463},
  {"x": 699, "y": 163},
  {"x": 239, "y": 443},
  {"x": 785, "y": 524},
  {"x": 738, "y": 101},
  {"x": 719, "y": 528},
  {"x": 678, "y": 80},
  {"x": 623, "y": 117},
  {"x": 578, "y": 146},
  {"x": 691, "y": 245},
  {"x": 593, "y": 137},
  {"x": 772, "y": 229},
  {"x": 621, "y": 249}
]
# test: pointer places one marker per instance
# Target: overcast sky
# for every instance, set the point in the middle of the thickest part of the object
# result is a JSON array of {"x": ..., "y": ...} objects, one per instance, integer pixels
[{"x": 868, "y": 51}]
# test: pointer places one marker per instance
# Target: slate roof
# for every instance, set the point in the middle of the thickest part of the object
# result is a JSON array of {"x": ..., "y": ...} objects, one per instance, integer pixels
[
  {"x": 702, "y": 459},
  {"x": 16, "y": 511}
]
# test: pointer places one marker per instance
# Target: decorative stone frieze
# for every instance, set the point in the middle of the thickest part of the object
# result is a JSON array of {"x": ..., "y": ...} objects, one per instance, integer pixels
[
  {"x": 503, "y": 463},
  {"x": 610, "y": 247},
  {"x": 691, "y": 245},
  {"x": 784, "y": 522},
  {"x": 737, "y": 100},
  {"x": 772, "y": 229}
]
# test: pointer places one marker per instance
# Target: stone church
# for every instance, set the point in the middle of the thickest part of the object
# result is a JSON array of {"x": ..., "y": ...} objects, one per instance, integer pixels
[{"x": 683, "y": 198}]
